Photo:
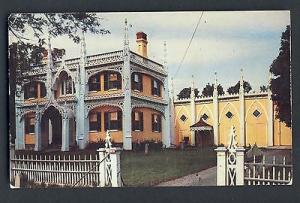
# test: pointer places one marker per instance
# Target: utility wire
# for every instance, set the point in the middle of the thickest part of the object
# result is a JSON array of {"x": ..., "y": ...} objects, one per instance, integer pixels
[{"x": 188, "y": 45}]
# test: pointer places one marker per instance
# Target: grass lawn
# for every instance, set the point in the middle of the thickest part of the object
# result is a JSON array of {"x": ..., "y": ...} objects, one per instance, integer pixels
[{"x": 139, "y": 169}]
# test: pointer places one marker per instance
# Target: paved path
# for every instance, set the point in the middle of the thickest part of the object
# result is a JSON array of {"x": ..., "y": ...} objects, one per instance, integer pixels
[{"x": 206, "y": 177}]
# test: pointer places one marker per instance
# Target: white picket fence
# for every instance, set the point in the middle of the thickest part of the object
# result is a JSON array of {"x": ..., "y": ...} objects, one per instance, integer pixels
[
  {"x": 64, "y": 170},
  {"x": 99, "y": 170},
  {"x": 233, "y": 170},
  {"x": 263, "y": 173}
]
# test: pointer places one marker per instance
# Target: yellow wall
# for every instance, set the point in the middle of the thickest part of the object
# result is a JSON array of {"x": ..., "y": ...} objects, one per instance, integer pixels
[
  {"x": 147, "y": 87},
  {"x": 182, "y": 128},
  {"x": 256, "y": 128},
  {"x": 147, "y": 133},
  {"x": 282, "y": 134},
  {"x": 116, "y": 136}
]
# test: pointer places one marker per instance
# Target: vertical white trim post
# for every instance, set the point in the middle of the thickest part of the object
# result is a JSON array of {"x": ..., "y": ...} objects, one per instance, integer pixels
[
  {"x": 65, "y": 133},
  {"x": 270, "y": 117},
  {"x": 166, "y": 134},
  {"x": 81, "y": 132},
  {"x": 115, "y": 167},
  {"x": 20, "y": 134},
  {"x": 242, "y": 111},
  {"x": 37, "y": 131},
  {"x": 216, "y": 111},
  {"x": 193, "y": 111},
  {"x": 221, "y": 166},
  {"x": 240, "y": 153},
  {"x": 127, "y": 138}
]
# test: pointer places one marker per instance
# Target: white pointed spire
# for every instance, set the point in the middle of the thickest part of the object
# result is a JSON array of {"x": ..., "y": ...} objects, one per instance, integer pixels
[
  {"x": 49, "y": 53},
  {"x": 242, "y": 82},
  {"x": 215, "y": 93},
  {"x": 172, "y": 88},
  {"x": 193, "y": 88},
  {"x": 83, "y": 48},
  {"x": 126, "y": 40},
  {"x": 165, "y": 55}
]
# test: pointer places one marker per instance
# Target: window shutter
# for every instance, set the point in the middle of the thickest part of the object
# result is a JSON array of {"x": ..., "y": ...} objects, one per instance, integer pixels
[
  {"x": 98, "y": 121},
  {"x": 141, "y": 121},
  {"x": 98, "y": 86},
  {"x": 132, "y": 121},
  {"x": 120, "y": 120},
  {"x": 119, "y": 79},
  {"x": 106, "y": 82},
  {"x": 141, "y": 82},
  {"x": 159, "y": 88},
  {"x": 36, "y": 90},
  {"x": 132, "y": 81},
  {"x": 159, "y": 123},
  {"x": 152, "y": 122},
  {"x": 106, "y": 121},
  {"x": 152, "y": 86}
]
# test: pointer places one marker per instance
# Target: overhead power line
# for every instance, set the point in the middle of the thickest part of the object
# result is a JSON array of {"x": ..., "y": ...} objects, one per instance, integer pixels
[{"x": 190, "y": 42}]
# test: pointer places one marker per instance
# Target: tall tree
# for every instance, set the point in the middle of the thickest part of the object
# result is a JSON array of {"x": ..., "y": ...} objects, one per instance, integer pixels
[
  {"x": 185, "y": 93},
  {"x": 236, "y": 88},
  {"x": 29, "y": 31},
  {"x": 281, "y": 82},
  {"x": 263, "y": 88},
  {"x": 209, "y": 89}
]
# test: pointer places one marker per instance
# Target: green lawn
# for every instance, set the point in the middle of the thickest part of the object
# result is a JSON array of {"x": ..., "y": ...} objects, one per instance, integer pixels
[{"x": 139, "y": 169}]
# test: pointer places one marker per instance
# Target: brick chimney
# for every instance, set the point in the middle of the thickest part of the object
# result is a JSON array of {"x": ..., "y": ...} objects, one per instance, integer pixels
[{"x": 141, "y": 40}]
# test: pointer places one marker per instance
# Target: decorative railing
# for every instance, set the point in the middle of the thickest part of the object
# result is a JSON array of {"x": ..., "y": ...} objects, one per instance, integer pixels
[
  {"x": 151, "y": 65},
  {"x": 264, "y": 173},
  {"x": 104, "y": 58}
]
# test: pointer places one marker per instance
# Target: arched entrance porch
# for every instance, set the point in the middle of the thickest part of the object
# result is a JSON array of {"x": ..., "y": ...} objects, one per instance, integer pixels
[{"x": 57, "y": 129}]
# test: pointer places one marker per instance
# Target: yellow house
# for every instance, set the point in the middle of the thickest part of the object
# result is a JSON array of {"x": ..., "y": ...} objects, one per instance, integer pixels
[
  {"x": 252, "y": 114},
  {"x": 74, "y": 102}
]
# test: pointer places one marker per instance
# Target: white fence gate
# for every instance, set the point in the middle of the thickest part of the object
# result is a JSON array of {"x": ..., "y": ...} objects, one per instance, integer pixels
[
  {"x": 233, "y": 170},
  {"x": 101, "y": 169}
]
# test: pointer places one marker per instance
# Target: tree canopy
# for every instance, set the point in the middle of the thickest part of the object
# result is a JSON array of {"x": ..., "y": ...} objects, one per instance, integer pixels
[
  {"x": 209, "y": 89},
  {"x": 185, "y": 93},
  {"x": 236, "y": 88},
  {"x": 281, "y": 82},
  {"x": 28, "y": 33}
]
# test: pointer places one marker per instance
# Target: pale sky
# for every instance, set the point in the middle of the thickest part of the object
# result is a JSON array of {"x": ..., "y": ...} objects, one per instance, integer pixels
[{"x": 225, "y": 42}]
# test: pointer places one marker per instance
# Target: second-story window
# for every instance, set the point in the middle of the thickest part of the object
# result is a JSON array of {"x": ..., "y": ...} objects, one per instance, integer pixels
[
  {"x": 67, "y": 87},
  {"x": 137, "y": 81},
  {"x": 94, "y": 83},
  {"x": 30, "y": 90},
  {"x": 112, "y": 81},
  {"x": 155, "y": 87}
]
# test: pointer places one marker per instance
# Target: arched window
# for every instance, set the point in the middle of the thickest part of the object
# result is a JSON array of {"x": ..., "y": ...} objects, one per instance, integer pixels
[
  {"x": 35, "y": 90},
  {"x": 67, "y": 86}
]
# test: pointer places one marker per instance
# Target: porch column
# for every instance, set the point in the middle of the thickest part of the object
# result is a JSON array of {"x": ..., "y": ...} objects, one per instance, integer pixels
[
  {"x": 37, "y": 131},
  {"x": 81, "y": 128},
  {"x": 240, "y": 153},
  {"x": 127, "y": 138},
  {"x": 20, "y": 134},
  {"x": 65, "y": 133}
]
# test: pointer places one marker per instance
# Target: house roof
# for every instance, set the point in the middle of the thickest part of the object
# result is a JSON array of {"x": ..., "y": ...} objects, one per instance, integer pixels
[{"x": 201, "y": 125}]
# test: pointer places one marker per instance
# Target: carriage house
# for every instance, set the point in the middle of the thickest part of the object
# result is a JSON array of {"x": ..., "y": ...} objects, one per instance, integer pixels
[{"x": 74, "y": 102}]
